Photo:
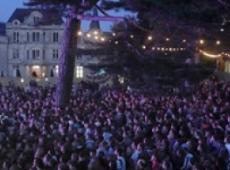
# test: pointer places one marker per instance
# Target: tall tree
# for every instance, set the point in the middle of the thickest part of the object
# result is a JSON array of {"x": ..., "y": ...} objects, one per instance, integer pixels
[{"x": 72, "y": 8}]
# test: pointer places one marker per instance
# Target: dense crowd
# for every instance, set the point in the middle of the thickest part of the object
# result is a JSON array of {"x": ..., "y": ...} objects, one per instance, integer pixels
[{"x": 114, "y": 129}]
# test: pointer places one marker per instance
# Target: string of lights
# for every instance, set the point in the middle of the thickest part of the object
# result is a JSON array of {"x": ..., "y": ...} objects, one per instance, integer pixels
[
  {"x": 214, "y": 56},
  {"x": 98, "y": 37}
]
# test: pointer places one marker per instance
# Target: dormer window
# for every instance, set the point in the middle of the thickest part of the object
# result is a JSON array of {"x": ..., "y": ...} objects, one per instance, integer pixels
[
  {"x": 16, "y": 22},
  {"x": 36, "y": 19}
]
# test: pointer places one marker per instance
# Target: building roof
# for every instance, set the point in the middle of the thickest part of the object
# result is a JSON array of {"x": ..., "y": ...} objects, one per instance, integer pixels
[
  {"x": 94, "y": 25},
  {"x": 2, "y": 28},
  {"x": 51, "y": 16}
]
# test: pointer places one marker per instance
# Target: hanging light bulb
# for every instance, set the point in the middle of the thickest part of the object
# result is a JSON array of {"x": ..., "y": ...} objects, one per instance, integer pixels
[
  {"x": 114, "y": 34},
  {"x": 79, "y": 33},
  {"x": 150, "y": 38},
  {"x": 22, "y": 80},
  {"x": 201, "y": 42},
  {"x": 95, "y": 32},
  {"x": 132, "y": 36},
  {"x": 96, "y": 37},
  {"x": 102, "y": 39},
  {"x": 184, "y": 41},
  {"x": 167, "y": 39},
  {"x": 218, "y": 42},
  {"x": 116, "y": 42},
  {"x": 143, "y": 47},
  {"x": 88, "y": 35}
]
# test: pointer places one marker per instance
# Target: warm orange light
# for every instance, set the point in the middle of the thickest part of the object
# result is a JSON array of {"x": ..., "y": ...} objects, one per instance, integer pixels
[
  {"x": 218, "y": 42},
  {"x": 79, "y": 33},
  {"x": 210, "y": 55},
  {"x": 201, "y": 42}
]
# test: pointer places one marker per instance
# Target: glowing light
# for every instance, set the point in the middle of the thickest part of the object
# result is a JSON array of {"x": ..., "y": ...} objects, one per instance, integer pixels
[
  {"x": 96, "y": 37},
  {"x": 22, "y": 80},
  {"x": 153, "y": 48},
  {"x": 36, "y": 67},
  {"x": 158, "y": 48},
  {"x": 43, "y": 74},
  {"x": 162, "y": 49},
  {"x": 102, "y": 39},
  {"x": 56, "y": 69},
  {"x": 222, "y": 30},
  {"x": 132, "y": 36},
  {"x": 201, "y": 42},
  {"x": 167, "y": 39},
  {"x": 88, "y": 35},
  {"x": 143, "y": 47},
  {"x": 184, "y": 41},
  {"x": 150, "y": 38},
  {"x": 79, "y": 33},
  {"x": 170, "y": 49},
  {"x": 46, "y": 79},
  {"x": 114, "y": 34},
  {"x": 218, "y": 42},
  {"x": 95, "y": 32},
  {"x": 210, "y": 55},
  {"x": 116, "y": 42}
]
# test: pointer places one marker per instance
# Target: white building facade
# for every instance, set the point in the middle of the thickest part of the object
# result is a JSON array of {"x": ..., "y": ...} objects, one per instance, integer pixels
[{"x": 30, "y": 45}]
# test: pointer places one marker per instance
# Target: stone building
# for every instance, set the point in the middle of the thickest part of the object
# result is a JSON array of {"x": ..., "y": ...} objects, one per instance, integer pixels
[{"x": 30, "y": 45}]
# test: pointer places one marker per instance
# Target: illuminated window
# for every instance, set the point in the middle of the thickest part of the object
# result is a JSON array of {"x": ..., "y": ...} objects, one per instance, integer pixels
[
  {"x": 79, "y": 72},
  {"x": 227, "y": 66}
]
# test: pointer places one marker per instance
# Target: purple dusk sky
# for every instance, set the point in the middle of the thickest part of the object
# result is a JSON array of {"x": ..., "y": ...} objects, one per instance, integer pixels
[{"x": 7, "y": 7}]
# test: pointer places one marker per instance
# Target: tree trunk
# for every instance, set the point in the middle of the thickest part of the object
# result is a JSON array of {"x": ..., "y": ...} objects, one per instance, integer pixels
[{"x": 67, "y": 61}]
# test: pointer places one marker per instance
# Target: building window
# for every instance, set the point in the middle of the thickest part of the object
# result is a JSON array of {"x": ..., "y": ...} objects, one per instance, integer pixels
[
  {"x": 79, "y": 71},
  {"x": 43, "y": 54},
  {"x": 55, "y": 53},
  {"x": 44, "y": 36},
  {"x": 28, "y": 37},
  {"x": 36, "y": 36},
  {"x": 35, "y": 54},
  {"x": 16, "y": 37},
  {"x": 16, "y": 71},
  {"x": 15, "y": 54},
  {"x": 55, "y": 37},
  {"x": 28, "y": 54},
  {"x": 2, "y": 74}
]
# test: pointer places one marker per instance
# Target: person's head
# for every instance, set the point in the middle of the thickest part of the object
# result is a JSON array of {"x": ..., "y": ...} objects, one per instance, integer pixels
[{"x": 118, "y": 151}]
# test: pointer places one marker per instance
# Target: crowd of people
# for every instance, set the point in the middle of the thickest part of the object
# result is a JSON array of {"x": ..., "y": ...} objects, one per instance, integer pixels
[{"x": 115, "y": 129}]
